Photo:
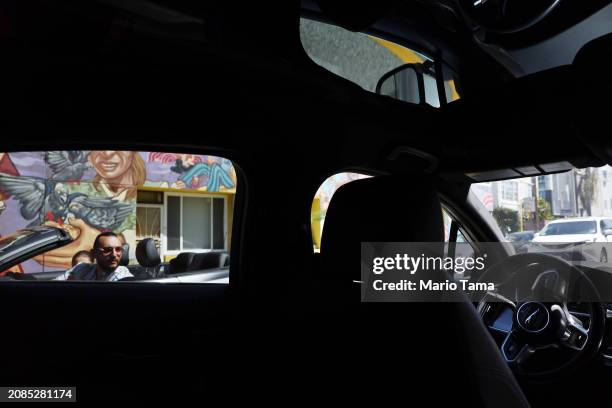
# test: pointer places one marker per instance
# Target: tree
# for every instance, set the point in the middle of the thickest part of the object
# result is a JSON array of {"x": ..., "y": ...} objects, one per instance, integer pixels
[
  {"x": 507, "y": 219},
  {"x": 544, "y": 211},
  {"x": 586, "y": 187}
]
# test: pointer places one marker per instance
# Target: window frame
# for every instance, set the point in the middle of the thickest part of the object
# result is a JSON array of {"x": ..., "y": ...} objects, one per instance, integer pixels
[
  {"x": 514, "y": 191},
  {"x": 164, "y": 232},
  {"x": 161, "y": 208}
]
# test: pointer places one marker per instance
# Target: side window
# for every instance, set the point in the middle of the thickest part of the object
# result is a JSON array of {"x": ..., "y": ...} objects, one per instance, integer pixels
[
  {"x": 159, "y": 215},
  {"x": 321, "y": 202},
  {"x": 546, "y": 207},
  {"x": 457, "y": 245}
]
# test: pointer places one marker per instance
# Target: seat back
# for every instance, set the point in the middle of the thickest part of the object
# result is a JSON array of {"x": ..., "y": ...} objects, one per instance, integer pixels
[
  {"x": 149, "y": 260},
  {"x": 430, "y": 339},
  {"x": 180, "y": 263},
  {"x": 208, "y": 260}
]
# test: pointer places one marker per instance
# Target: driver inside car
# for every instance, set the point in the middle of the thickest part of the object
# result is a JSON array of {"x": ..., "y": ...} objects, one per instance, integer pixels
[{"x": 107, "y": 251}]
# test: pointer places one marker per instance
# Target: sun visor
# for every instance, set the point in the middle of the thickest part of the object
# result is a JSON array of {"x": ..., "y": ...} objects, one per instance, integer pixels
[{"x": 526, "y": 171}]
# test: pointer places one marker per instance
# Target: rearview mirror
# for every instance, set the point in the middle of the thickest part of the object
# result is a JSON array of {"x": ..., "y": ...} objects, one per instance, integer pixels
[
  {"x": 413, "y": 83},
  {"x": 607, "y": 231}
]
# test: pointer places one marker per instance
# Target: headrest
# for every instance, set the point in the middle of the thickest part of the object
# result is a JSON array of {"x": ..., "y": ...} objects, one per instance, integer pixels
[
  {"x": 125, "y": 255},
  {"x": 208, "y": 260},
  {"x": 146, "y": 253},
  {"x": 378, "y": 209},
  {"x": 181, "y": 262}
]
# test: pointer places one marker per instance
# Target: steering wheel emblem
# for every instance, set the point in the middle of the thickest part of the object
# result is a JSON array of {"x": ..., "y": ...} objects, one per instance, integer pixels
[{"x": 533, "y": 317}]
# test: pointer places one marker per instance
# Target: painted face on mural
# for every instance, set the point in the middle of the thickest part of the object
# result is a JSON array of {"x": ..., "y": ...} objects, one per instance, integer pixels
[
  {"x": 188, "y": 159},
  {"x": 111, "y": 164}
]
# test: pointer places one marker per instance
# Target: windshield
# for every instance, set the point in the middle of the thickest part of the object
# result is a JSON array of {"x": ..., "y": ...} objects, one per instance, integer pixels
[
  {"x": 7, "y": 241},
  {"x": 567, "y": 203},
  {"x": 570, "y": 228}
]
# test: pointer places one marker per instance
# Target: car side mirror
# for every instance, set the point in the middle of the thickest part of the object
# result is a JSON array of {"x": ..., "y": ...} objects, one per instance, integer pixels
[
  {"x": 607, "y": 231},
  {"x": 413, "y": 83},
  {"x": 537, "y": 234}
]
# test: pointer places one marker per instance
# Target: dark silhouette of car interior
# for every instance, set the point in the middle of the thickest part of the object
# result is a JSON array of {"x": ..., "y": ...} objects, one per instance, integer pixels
[{"x": 233, "y": 79}]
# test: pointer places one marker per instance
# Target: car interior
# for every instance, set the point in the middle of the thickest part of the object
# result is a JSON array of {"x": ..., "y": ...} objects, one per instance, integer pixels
[{"x": 503, "y": 89}]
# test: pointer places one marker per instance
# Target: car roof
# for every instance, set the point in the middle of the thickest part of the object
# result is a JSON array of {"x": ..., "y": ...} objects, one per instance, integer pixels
[
  {"x": 359, "y": 128},
  {"x": 564, "y": 220}
]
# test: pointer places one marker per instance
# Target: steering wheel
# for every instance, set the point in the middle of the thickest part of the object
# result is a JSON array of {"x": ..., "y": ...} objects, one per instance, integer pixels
[{"x": 542, "y": 339}]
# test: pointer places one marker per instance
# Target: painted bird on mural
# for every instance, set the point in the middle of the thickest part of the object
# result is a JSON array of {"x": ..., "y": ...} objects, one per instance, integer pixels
[
  {"x": 68, "y": 165},
  {"x": 47, "y": 200},
  {"x": 103, "y": 213}
]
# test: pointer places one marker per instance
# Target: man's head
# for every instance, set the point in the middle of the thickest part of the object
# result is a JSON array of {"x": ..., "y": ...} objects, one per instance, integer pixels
[
  {"x": 107, "y": 251},
  {"x": 82, "y": 256}
]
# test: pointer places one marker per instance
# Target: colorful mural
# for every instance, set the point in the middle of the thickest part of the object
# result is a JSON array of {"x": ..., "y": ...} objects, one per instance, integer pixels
[
  {"x": 88, "y": 192},
  {"x": 189, "y": 171}
]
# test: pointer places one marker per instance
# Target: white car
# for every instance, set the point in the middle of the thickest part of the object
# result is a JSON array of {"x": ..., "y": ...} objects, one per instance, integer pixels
[{"x": 582, "y": 238}]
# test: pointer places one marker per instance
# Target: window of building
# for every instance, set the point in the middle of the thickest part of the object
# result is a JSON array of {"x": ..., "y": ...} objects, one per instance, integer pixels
[
  {"x": 195, "y": 223},
  {"x": 509, "y": 190},
  {"x": 148, "y": 222}
]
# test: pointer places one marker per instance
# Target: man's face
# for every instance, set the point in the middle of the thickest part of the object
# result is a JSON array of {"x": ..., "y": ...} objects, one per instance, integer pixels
[
  {"x": 108, "y": 253},
  {"x": 110, "y": 164}
]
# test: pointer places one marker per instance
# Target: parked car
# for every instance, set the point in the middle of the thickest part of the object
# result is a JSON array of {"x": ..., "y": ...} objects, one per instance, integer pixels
[
  {"x": 520, "y": 239},
  {"x": 579, "y": 239},
  {"x": 27, "y": 243},
  {"x": 210, "y": 267}
]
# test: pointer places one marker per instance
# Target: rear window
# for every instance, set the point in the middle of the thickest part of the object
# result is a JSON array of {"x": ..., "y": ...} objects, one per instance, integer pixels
[{"x": 167, "y": 215}]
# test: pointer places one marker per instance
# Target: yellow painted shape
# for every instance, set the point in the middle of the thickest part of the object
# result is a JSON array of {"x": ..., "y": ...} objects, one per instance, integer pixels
[
  {"x": 404, "y": 54},
  {"x": 315, "y": 221},
  {"x": 453, "y": 89},
  {"x": 185, "y": 190}
]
